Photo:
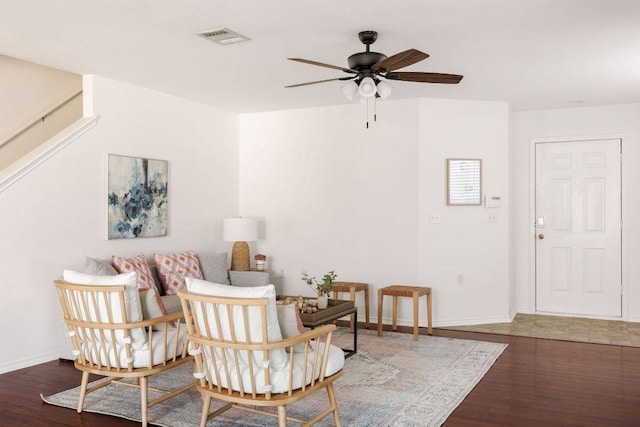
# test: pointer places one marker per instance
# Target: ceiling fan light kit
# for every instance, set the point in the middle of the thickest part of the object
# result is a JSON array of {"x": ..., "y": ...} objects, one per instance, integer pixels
[
  {"x": 366, "y": 69},
  {"x": 367, "y": 87},
  {"x": 349, "y": 90},
  {"x": 384, "y": 89}
]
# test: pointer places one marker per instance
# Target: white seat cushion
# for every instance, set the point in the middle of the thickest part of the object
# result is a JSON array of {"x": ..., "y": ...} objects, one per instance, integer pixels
[
  {"x": 141, "y": 357},
  {"x": 280, "y": 377}
]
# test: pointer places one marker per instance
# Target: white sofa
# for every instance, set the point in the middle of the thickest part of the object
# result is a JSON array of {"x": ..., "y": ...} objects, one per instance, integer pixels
[{"x": 213, "y": 266}]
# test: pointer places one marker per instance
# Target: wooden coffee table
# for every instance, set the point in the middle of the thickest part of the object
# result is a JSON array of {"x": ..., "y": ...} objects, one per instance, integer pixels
[{"x": 336, "y": 309}]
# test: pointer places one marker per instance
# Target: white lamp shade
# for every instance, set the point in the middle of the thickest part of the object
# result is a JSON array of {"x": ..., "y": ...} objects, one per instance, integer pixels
[
  {"x": 384, "y": 90},
  {"x": 239, "y": 230},
  {"x": 367, "y": 87},
  {"x": 349, "y": 90}
]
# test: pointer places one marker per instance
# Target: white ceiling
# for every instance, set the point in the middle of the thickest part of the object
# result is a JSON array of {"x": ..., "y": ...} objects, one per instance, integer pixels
[{"x": 532, "y": 54}]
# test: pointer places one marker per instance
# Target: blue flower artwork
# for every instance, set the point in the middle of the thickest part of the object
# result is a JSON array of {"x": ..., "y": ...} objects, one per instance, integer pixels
[{"x": 137, "y": 197}]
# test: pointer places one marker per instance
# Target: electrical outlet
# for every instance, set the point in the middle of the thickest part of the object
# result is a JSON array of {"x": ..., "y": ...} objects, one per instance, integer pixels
[
  {"x": 460, "y": 279},
  {"x": 434, "y": 218},
  {"x": 493, "y": 217}
]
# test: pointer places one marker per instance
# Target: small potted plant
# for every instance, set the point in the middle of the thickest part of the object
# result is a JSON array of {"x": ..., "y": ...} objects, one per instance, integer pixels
[
  {"x": 323, "y": 287},
  {"x": 260, "y": 260}
]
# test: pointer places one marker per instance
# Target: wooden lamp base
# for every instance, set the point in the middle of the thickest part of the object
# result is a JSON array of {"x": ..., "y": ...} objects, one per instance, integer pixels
[{"x": 240, "y": 257}]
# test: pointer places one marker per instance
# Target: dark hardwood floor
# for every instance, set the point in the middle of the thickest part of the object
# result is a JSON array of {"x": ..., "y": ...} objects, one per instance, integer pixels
[{"x": 536, "y": 382}]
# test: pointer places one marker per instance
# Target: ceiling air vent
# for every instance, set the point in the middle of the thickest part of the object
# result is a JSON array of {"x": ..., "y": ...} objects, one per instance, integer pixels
[{"x": 223, "y": 36}]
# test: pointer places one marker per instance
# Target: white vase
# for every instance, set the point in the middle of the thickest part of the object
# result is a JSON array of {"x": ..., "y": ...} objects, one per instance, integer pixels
[{"x": 323, "y": 302}]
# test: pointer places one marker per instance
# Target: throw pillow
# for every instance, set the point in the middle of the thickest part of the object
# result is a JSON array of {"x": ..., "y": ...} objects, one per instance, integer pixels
[
  {"x": 290, "y": 323},
  {"x": 175, "y": 268},
  {"x": 98, "y": 267},
  {"x": 249, "y": 278},
  {"x": 151, "y": 303},
  {"x": 133, "y": 308},
  {"x": 156, "y": 280},
  {"x": 137, "y": 264},
  {"x": 172, "y": 303},
  {"x": 153, "y": 307},
  {"x": 214, "y": 268}
]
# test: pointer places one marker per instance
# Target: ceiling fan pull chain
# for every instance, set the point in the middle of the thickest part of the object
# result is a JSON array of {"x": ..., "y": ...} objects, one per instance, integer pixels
[
  {"x": 367, "y": 101},
  {"x": 375, "y": 109}
]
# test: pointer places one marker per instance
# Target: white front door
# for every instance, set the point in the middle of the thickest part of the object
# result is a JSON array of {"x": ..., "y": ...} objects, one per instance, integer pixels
[{"x": 578, "y": 227}]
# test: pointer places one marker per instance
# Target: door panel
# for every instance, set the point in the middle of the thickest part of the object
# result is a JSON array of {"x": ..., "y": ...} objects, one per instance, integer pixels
[
  {"x": 561, "y": 205},
  {"x": 561, "y": 269},
  {"x": 594, "y": 270},
  {"x": 579, "y": 247}
]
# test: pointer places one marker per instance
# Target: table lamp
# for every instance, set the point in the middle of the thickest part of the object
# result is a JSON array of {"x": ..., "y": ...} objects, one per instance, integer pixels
[{"x": 240, "y": 231}]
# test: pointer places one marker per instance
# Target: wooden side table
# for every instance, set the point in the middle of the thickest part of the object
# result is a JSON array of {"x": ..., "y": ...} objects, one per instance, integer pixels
[
  {"x": 352, "y": 288},
  {"x": 414, "y": 292}
]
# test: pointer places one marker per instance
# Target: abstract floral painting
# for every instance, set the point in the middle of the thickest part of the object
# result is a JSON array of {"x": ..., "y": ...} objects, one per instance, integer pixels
[{"x": 137, "y": 197}]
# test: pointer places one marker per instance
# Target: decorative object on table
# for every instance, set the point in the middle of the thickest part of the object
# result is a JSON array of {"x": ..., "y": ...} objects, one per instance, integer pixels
[
  {"x": 137, "y": 197},
  {"x": 240, "y": 231},
  {"x": 323, "y": 302},
  {"x": 303, "y": 305},
  {"x": 323, "y": 287},
  {"x": 260, "y": 261}
]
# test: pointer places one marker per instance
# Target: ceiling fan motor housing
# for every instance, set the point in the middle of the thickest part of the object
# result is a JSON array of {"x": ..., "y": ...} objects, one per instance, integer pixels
[{"x": 363, "y": 61}]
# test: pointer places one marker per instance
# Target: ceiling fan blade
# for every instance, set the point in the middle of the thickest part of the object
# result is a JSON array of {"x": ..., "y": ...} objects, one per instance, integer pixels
[
  {"x": 399, "y": 60},
  {"x": 320, "y": 64},
  {"x": 319, "y": 81},
  {"x": 425, "y": 77}
]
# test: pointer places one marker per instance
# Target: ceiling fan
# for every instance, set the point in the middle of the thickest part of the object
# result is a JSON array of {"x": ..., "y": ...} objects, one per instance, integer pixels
[{"x": 366, "y": 68}]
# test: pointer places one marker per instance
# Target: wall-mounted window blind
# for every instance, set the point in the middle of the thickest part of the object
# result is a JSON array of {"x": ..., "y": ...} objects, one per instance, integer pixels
[{"x": 464, "y": 181}]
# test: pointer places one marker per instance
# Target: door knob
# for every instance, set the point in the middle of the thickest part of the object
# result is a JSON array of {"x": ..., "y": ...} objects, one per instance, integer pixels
[{"x": 540, "y": 236}]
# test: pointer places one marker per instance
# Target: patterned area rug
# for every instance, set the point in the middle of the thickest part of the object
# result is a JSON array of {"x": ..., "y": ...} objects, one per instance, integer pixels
[{"x": 392, "y": 380}]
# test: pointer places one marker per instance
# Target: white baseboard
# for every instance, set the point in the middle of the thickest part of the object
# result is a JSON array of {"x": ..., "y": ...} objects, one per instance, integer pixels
[
  {"x": 441, "y": 323},
  {"x": 473, "y": 321},
  {"x": 25, "y": 363}
]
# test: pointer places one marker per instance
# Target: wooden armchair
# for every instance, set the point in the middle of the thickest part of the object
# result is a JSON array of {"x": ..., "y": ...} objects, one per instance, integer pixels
[
  {"x": 241, "y": 359},
  {"x": 106, "y": 343}
]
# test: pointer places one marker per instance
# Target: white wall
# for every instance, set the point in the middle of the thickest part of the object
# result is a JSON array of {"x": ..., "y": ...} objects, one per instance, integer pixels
[
  {"x": 334, "y": 195},
  {"x": 612, "y": 120},
  {"x": 465, "y": 242},
  {"x": 55, "y": 215}
]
